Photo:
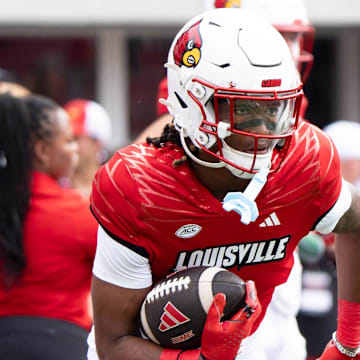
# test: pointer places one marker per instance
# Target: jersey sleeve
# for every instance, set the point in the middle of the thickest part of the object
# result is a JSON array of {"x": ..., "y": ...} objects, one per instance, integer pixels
[
  {"x": 327, "y": 223},
  {"x": 115, "y": 203},
  {"x": 334, "y": 197},
  {"x": 118, "y": 265}
]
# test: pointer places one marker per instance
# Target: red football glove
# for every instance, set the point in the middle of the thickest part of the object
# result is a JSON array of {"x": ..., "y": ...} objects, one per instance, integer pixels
[
  {"x": 332, "y": 353},
  {"x": 221, "y": 340}
]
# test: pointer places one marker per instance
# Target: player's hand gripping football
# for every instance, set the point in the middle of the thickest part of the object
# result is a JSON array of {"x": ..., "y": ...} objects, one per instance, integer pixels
[
  {"x": 332, "y": 353},
  {"x": 221, "y": 340}
]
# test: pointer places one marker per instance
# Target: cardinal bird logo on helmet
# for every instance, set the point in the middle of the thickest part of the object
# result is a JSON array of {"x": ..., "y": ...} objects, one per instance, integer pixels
[{"x": 187, "y": 50}]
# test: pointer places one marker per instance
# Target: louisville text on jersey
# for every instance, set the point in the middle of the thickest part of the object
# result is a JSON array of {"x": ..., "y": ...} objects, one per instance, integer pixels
[{"x": 227, "y": 256}]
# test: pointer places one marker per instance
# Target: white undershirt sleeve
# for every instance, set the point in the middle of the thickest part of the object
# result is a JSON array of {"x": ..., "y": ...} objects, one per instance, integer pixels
[
  {"x": 118, "y": 265},
  {"x": 329, "y": 221}
]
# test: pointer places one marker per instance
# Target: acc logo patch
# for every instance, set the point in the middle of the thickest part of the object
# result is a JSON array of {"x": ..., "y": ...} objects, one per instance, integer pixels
[
  {"x": 187, "y": 50},
  {"x": 188, "y": 231}
]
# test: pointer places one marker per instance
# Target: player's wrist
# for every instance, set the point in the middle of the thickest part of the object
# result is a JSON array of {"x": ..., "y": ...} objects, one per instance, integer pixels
[
  {"x": 345, "y": 350},
  {"x": 348, "y": 329}
]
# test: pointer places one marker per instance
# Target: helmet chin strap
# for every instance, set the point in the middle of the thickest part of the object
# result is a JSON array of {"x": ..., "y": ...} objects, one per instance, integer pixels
[
  {"x": 243, "y": 203},
  {"x": 216, "y": 165},
  {"x": 245, "y": 160}
]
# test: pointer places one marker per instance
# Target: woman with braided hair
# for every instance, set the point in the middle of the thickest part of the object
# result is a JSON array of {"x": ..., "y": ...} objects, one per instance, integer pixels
[{"x": 47, "y": 235}]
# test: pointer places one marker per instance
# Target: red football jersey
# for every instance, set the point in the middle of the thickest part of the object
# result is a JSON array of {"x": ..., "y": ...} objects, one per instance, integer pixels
[{"x": 167, "y": 215}]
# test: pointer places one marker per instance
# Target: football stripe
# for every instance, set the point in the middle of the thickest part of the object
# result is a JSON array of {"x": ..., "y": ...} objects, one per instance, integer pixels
[
  {"x": 205, "y": 287},
  {"x": 146, "y": 326},
  {"x": 168, "y": 320},
  {"x": 175, "y": 313}
]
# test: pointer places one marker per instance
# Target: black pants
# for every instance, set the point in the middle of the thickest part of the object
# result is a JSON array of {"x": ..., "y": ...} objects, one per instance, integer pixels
[{"x": 35, "y": 338}]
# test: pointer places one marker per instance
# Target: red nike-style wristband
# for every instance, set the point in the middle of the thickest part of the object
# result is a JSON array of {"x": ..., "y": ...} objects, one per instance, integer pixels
[{"x": 348, "y": 331}]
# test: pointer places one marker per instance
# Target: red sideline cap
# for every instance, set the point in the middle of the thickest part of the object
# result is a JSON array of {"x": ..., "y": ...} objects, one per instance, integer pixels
[{"x": 89, "y": 118}]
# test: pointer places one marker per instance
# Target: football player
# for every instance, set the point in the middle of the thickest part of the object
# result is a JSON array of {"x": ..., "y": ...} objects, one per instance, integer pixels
[
  {"x": 279, "y": 331},
  {"x": 236, "y": 165},
  {"x": 345, "y": 135}
]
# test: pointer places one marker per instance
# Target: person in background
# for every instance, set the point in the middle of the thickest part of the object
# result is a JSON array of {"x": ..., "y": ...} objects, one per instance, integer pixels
[
  {"x": 345, "y": 135},
  {"x": 238, "y": 166},
  {"x": 92, "y": 129},
  {"x": 47, "y": 235}
]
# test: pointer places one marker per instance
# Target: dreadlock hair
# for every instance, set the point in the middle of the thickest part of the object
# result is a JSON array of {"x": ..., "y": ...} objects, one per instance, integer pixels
[
  {"x": 41, "y": 126},
  {"x": 15, "y": 172},
  {"x": 171, "y": 135},
  {"x": 23, "y": 121}
]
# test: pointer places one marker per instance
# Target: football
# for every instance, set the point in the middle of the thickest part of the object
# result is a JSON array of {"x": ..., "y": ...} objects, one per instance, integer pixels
[{"x": 173, "y": 313}]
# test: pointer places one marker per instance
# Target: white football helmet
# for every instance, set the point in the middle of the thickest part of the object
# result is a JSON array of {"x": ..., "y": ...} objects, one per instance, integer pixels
[
  {"x": 287, "y": 16},
  {"x": 231, "y": 77}
]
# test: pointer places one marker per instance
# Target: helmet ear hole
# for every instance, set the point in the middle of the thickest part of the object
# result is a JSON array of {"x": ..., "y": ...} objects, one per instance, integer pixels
[
  {"x": 202, "y": 137},
  {"x": 199, "y": 91}
]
